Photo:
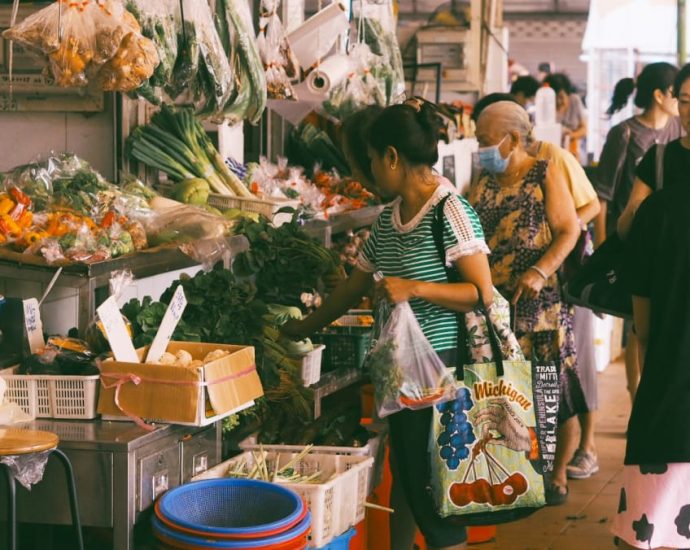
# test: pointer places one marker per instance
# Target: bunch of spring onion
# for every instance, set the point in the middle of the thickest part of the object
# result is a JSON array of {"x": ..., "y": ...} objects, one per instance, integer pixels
[{"x": 176, "y": 143}]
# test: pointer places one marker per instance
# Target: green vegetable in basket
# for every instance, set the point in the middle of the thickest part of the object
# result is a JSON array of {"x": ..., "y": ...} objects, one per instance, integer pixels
[
  {"x": 236, "y": 213},
  {"x": 192, "y": 191}
]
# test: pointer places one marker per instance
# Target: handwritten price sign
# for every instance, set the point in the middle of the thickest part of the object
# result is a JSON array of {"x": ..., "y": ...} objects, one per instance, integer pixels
[{"x": 170, "y": 320}]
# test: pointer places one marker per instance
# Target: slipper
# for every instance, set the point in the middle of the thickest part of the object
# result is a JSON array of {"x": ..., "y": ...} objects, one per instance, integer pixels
[{"x": 555, "y": 496}]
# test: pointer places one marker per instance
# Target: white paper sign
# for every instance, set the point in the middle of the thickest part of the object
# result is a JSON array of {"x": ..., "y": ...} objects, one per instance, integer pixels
[
  {"x": 172, "y": 316},
  {"x": 33, "y": 324},
  {"x": 116, "y": 331}
]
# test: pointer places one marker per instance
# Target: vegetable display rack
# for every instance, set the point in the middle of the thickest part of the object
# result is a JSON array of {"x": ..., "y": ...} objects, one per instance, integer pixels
[
  {"x": 336, "y": 504},
  {"x": 347, "y": 344},
  {"x": 52, "y": 396}
]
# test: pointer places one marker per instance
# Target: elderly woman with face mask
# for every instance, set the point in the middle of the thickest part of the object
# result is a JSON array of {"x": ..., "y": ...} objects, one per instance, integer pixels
[{"x": 530, "y": 225}]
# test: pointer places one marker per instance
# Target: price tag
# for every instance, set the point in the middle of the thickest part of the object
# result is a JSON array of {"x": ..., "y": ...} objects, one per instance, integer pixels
[
  {"x": 172, "y": 316},
  {"x": 116, "y": 331},
  {"x": 33, "y": 324}
]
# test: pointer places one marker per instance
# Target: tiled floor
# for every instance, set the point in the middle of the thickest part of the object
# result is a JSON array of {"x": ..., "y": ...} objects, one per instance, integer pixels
[{"x": 584, "y": 522}]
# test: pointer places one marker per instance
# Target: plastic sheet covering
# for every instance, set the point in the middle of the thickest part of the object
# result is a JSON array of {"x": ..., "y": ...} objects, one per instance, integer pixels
[{"x": 27, "y": 469}]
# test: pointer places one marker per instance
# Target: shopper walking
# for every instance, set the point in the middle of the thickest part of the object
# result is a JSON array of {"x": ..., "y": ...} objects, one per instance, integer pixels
[
  {"x": 625, "y": 146},
  {"x": 654, "y": 507},
  {"x": 524, "y": 88},
  {"x": 531, "y": 226},
  {"x": 403, "y": 147}
]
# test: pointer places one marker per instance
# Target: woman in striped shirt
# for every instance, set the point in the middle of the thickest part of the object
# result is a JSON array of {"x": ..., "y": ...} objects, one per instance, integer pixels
[{"x": 403, "y": 148}]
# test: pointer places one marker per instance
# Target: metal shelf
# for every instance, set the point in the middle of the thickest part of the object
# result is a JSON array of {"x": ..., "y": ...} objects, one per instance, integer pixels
[{"x": 333, "y": 382}]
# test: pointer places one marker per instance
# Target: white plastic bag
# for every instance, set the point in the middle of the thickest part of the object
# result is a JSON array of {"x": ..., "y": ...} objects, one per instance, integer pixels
[{"x": 406, "y": 371}]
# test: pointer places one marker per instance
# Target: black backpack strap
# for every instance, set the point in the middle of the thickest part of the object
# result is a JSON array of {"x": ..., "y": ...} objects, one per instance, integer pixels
[{"x": 454, "y": 277}]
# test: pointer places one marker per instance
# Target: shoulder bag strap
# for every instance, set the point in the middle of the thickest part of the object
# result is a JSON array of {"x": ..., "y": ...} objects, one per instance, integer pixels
[
  {"x": 660, "y": 149},
  {"x": 454, "y": 277}
]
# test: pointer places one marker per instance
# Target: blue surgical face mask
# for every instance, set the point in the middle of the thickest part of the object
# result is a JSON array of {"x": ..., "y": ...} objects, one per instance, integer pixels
[{"x": 491, "y": 159}]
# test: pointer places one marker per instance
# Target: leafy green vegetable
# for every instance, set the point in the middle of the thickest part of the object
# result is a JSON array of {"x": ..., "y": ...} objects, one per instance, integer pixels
[{"x": 285, "y": 261}]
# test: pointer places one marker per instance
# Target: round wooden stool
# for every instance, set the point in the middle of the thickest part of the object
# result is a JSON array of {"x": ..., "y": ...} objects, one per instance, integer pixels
[{"x": 15, "y": 442}]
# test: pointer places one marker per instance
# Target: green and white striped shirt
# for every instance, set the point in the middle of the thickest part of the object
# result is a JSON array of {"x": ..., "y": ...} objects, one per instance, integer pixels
[{"x": 407, "y": 251}]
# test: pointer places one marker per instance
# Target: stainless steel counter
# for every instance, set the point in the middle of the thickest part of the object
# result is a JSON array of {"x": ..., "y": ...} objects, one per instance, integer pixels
[{"x": 119, "y": 471}]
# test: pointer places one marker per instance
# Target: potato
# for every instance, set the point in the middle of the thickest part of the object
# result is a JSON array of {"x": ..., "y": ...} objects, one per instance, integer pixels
[
  {"x": 184, "y": 358},
  {"x": 167, "y": 359},
  {"x": 215, "y": 354}
]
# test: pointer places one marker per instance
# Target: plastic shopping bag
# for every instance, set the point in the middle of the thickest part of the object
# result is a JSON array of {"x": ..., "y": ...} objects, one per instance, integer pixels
[
  {"x": 491, "y": 445},
  {"x": 406, "y": 371}
]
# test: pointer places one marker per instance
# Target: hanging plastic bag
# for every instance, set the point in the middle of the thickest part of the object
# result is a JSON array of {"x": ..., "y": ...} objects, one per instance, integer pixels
[
  {"x": 279, "y": 61},
  {"x": 406, "y": 371},
  {"x": 88, "y": 40},
  {"x": 159, "y": 22}
]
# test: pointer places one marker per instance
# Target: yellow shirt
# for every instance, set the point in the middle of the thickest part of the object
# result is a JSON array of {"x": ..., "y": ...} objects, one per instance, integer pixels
[{"x": 580, "y": 187}]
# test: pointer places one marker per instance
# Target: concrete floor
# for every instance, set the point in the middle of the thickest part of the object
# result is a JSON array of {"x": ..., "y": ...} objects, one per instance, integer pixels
[{"x": 584, "y": 522}]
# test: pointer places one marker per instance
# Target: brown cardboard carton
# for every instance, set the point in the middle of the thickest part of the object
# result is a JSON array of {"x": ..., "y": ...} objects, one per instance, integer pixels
[{"x": 178, "y": 395}]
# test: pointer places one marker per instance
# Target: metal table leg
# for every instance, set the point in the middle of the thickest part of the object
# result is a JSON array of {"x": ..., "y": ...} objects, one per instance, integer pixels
[{"x": 72, "y": 490}]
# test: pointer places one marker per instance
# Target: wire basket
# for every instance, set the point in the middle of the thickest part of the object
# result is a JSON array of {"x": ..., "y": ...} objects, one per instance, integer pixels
[
  {"x": 336, "y": 504},
  {"x": 53, "y": 396}
]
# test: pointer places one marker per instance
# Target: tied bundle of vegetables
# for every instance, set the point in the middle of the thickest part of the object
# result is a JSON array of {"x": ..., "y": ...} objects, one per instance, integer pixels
[{"x": 176, "y": 143}]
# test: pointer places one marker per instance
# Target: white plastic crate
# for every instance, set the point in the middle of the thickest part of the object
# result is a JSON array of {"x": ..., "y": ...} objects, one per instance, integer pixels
[
  {"x": 311, "y": 365},
  {"x": 53, "y": 396},
  {"x": 374, "y": 448},
  {"x": 336, "y": 504}
]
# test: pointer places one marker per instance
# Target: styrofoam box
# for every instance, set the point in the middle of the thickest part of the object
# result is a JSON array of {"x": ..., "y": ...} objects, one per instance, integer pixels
[
  {"x": 311, "y": 365},
  {"x": 336, "y": 504},
  {"x": 53, "y": 396}
]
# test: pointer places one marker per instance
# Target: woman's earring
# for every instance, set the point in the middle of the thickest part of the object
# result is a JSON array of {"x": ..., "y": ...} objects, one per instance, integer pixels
[{"x": 392, "y": 166}]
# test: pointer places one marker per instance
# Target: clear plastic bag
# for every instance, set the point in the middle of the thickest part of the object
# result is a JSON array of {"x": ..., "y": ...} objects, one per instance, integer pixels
[
  {"x": 183, "y": 224},
  {"x": 87, "y": 40},
  {"x": 406, "y": 371},
  {"x": 279, "y": 61},
  {"x": 27, "y": 469}
]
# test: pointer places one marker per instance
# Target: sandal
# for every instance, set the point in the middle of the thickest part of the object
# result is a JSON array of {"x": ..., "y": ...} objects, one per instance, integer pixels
[{"x": 556, "y": 495}]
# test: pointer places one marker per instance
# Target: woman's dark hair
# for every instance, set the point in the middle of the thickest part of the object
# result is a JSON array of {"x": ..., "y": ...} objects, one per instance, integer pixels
[
  {"x": 559, "y": 82},
  {"x": 655, "y": 76},
  {"x": 355, "y": 136},
  {"x": 681, "y": 77},
  {"x": 526, "y": 85},
  {"x": 413, "y": 132},
  {"x": 487, "y": 100}
]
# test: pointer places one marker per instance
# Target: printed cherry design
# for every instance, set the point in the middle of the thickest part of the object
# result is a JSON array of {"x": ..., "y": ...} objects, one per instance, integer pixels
[
  {"x": 483, "y": 492},
  {"x": 643, "y": 529},
  {"x": 683, "y": 521}
]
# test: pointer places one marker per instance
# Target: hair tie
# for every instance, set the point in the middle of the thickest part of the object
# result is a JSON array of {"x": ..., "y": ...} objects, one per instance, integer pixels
[{"x": 415, "y": 103}]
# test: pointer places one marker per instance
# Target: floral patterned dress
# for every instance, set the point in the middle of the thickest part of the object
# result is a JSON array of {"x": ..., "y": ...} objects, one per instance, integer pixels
[{"x": 518, "y": 235}]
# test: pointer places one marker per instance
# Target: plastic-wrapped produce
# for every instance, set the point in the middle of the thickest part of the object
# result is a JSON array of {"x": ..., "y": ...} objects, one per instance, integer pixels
[
  {"x": 279, "y": 61},
  {"x": 88, "y": 40}
]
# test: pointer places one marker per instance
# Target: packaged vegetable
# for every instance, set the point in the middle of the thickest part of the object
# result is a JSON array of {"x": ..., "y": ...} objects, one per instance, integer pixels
[
  {"x": 279, "y": 61},
  {"x": 61, "y": 356},
  {"x": 81, "y": 39}
]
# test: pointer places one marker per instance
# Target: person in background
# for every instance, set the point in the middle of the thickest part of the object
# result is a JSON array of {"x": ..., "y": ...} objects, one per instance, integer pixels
[
  {"x": 676, "y": 158},
  {"x": 403, "y": 147},
  {"x": 524, "y": 88},
  {"x": 570, "y": 112},
  {"x": 653, "y": 508},
  {"x": 626, "y": 144},
  {"x": 584, "y": 461},
  {"x": 530, "y": 223}
]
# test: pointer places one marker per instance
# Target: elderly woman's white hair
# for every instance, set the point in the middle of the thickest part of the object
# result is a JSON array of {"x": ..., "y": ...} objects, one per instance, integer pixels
[{"x": 509, "y": 117}]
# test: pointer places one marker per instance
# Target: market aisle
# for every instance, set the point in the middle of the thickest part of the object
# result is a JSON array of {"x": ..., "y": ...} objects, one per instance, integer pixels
[{"x": 584, "y": 522}]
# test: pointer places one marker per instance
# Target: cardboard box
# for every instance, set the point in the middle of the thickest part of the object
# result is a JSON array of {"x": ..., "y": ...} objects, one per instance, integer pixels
[{"x": 195, "y": 396}]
